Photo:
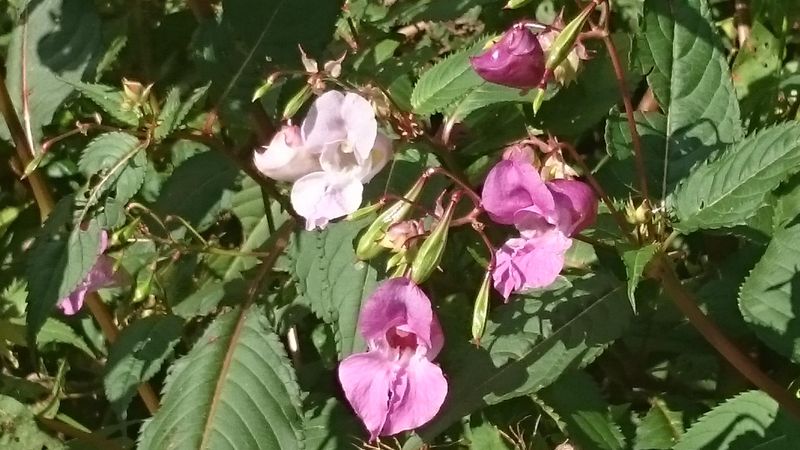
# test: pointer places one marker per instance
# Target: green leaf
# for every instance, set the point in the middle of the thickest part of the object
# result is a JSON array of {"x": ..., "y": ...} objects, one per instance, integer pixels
[
  {"x": 174, "y": 112},
  {"x": 235, "y": 390},
  {"x": 55, "y": 266},
  {"x": 689, "y": 76},
  {"x": 528, "y": 343},
  {"x": 332, "y": 281},
  {"x": 137, "y": 355},
  {"x": 759, "y": 58},
  {"x": 52, "y": 332},
  {"x": 583, "y": 412},
  {"x": 20, "y": 431},
  {"x": 119, "y": 160},
  {"x": 447, "y": 81},
  {"x": 749, "y": 421},
  {"x": 248, "y": 206},
  {"x": 636, "y": 260},
  {"x": 330, "y": 425},
  {"x": 52, "y": 42},
  {"x": 730, "y": 189},
  {"x": 109, "y": 99},
  {"x": 198, "y": 188},
  {"x": 660, "y": 428},
  {"x": 769, "y": 297}
]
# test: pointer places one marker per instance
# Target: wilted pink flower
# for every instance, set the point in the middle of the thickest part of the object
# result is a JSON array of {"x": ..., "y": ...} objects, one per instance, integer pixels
[
  {"x": 394, "y": 386},
  {"x": 100, "y": 276},
  {"x": 516, "y": 60},
  {"x": 547, "y": 214},
  {"x": 286, "y": 158}
]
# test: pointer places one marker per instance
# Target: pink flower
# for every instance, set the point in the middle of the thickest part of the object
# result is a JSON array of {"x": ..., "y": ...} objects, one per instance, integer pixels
[
  {"x": 546, "y": 214},
  {"x": 100, "y": 276},
  {"x": 516, "y": 60},
  {"x": 527, "y": 263},
  {"x": 394, "y": 386},
  {"x": 286, "y": 158}
]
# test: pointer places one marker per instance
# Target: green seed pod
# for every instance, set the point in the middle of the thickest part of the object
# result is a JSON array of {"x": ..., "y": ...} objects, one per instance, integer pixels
[
  {"x": 565, "y": 40},
  {"x": 430, "y": 252},
  {"x": 481, "y": 309},
  {"x": 264, "y": 88},
  {"x": 514, "y": 4},
  {"x": 369, "y": 245},
  {"x": 364, "y": 212},
  {"x": 296, "y": 102},
  {"x": 144, "y": 283}
]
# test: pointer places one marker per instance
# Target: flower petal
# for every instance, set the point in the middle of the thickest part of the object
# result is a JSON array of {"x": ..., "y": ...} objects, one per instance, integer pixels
[
  {"x": 425, "y": 391},
  {"x": 528, "y": 263},
  {"x": 399, "y": 303},
  {"x": 575, "y": 201},
  {"x": 320, "y": 197},
  {"x": 360, "y": 123},
  {"x": 286, "y": 158},
  {"x": 516, "y": 60},
  {"x": 513, "y": 185},
  {"x": 74, "y": 302},
  {"x": 323, "y": 125},
  {"x": 367, "y": 380}
]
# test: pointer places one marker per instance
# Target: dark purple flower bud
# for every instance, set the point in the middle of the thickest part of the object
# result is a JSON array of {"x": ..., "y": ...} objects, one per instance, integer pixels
[{"x": 516, "y": 60}]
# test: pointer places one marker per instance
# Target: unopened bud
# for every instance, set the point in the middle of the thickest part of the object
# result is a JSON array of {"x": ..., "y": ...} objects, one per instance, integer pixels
[
  {"x": 135, "y": 92},
  {"x": 480, "y": 309},
  {"x": 430, "y": 252},
  {"x": 144, "y": 283},
  {"x": 265, "y": 87},
  {"x": 369, "y": 245},
  {"x": 296, "y": 102},
  {"x": 123, "y": 234}
]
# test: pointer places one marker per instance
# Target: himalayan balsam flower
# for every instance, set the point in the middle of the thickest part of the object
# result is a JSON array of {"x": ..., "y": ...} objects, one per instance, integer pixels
[
  {"x": 394, "y": 386},
  {"x": 337, "y": 149},
  {"x": 100, "y": 276},
  {"x": 546, "y": 214},
  {"x": 516, "y": 60}
]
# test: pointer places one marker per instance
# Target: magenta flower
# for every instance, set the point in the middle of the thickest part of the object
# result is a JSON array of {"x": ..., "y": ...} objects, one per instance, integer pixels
[
  {"x": 546, "y": 214},
  {"x": 516, "y": 60},
  {"x": 394, "y": 386},
  {"x": 100, "y": 276}
]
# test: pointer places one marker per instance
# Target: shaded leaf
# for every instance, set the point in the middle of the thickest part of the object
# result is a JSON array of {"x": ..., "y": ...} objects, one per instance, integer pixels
[
  {"x": 109, "y": 99},
  {"x": 20, "y": 431},
  {"x": 119, "y": 160},
  {"x": 660, "y": 428},
  {"x": 746, "y": 422},
  {"x": 53, "y": 42},
  {"x": 137, "y": 355},
  {"x": 636, "y": 260},
  {"x": 175, "y": 111}
]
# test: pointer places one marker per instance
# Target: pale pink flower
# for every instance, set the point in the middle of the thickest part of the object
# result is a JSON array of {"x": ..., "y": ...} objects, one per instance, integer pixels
[
  {"x": 527, "y": 263},
  {"x": 287, "y": 158},
  {"x": 337, "y": 149},
  {"x": 394, "y": 386},
  {"x": 100, "y": 276}
]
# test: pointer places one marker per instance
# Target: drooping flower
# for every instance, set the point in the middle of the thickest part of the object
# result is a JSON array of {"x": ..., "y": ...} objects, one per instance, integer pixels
[
  {"x": 394, "y": 386},
  {"x": 100, "y": 276},
  {"x": 286, "y": 158},
  {"x": 516, "y": 60},
  {"x": 546, "y": 214},
  {"x": 337, "y": 149}
]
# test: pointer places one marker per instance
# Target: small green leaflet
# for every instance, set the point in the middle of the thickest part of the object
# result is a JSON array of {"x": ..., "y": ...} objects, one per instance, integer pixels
[{"x": 636, "y": 260}]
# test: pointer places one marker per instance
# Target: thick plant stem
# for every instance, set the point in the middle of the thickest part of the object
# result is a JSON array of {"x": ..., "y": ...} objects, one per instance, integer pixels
[
  {"x": 626, "y": 100},
  {"x": 45, "y": 202},
  {"x": 663, "y": 271}
]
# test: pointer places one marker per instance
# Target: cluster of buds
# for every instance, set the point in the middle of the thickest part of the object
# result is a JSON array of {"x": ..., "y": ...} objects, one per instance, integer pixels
[
  {"x": 549, "y": 158},
  {"x": 649, "y": 223},
  {"x": 417, "y": 249},
  {"x": 135, "y": 97}
]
